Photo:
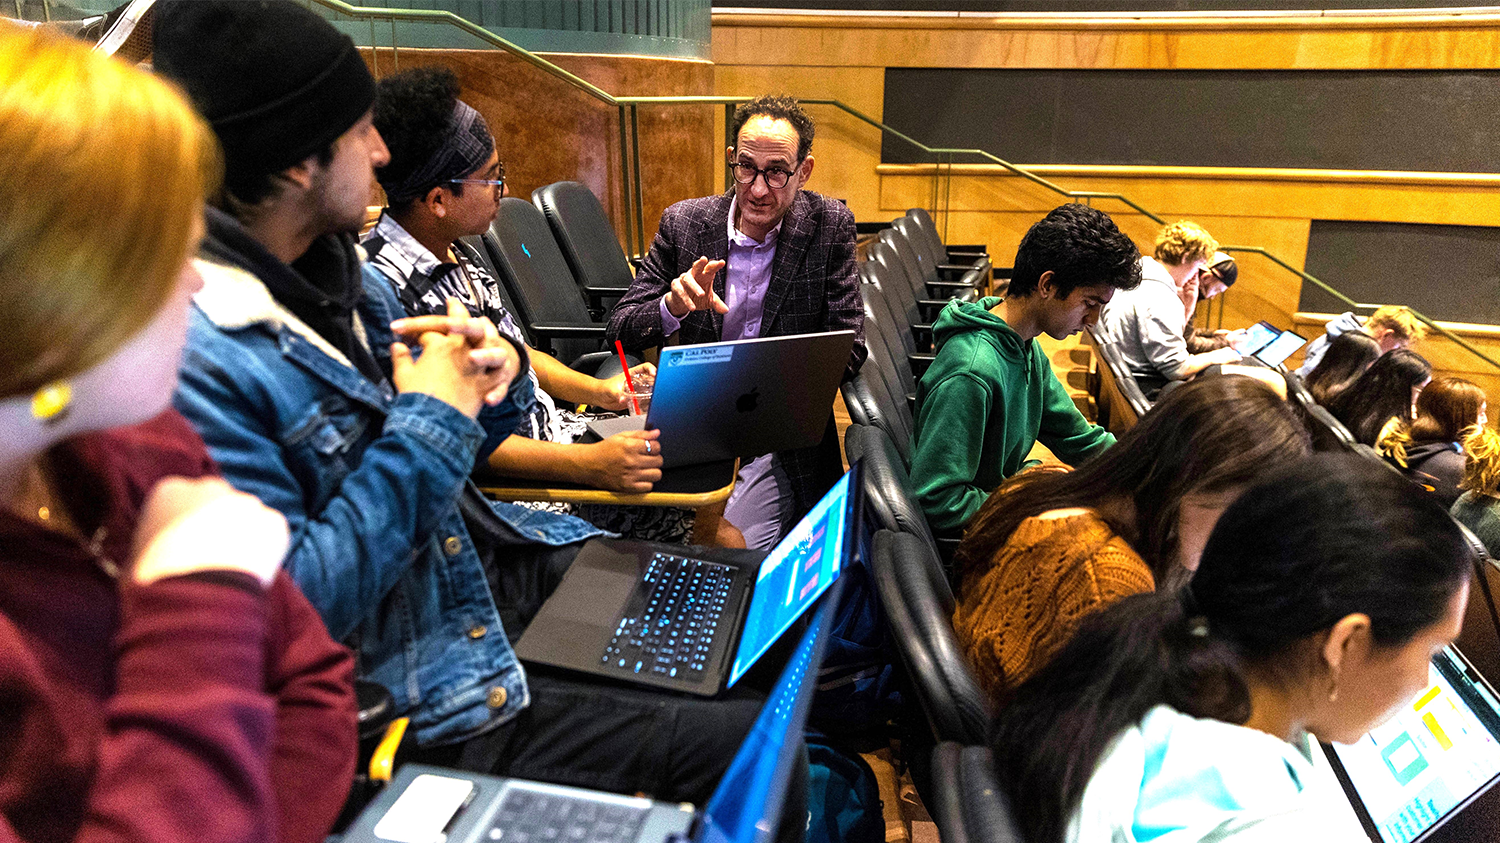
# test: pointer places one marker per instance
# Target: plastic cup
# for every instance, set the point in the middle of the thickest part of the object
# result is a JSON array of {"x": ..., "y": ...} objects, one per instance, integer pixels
[{"x": 638, "y": 403}]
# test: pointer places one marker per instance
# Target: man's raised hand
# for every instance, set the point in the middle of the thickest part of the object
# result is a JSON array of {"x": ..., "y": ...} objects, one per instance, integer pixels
[{"x": 694, "y": 289}]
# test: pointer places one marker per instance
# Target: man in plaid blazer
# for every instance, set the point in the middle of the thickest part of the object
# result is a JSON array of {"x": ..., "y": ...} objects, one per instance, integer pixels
[{"x": 766, "y": 259}]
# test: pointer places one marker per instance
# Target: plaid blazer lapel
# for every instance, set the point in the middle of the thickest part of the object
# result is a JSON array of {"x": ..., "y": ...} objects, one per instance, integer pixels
[{"x": 791, "y": 245}]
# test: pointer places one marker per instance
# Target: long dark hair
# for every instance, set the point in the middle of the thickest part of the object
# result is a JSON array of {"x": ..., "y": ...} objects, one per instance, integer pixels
[
  {"x": 1329, "y": 536},
  {"x": 1348, "y": 356},
  {"x": 1382, "y": 392},
  {"x": 1210, "y": 435}
]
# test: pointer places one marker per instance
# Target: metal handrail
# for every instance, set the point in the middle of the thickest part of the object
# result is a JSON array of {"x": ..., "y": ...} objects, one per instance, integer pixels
[{"x": 632, "y": 181}]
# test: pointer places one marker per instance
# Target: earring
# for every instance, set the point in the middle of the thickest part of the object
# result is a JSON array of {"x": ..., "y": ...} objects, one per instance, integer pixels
[{"x": 51, "y": 403}]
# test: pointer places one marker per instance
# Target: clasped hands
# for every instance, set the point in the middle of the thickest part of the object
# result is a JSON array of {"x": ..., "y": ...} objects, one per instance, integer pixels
[{"x": 464, "y": 361}]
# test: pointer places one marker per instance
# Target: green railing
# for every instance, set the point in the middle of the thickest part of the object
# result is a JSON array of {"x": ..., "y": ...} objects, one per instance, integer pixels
[{"x": 628, "y": 115}]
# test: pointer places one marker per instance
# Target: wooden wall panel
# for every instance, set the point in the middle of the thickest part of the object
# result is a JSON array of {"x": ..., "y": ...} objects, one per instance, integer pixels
[
  {"x": 846, "y": 150},
  {"x": 1225, "y": 43},
  {"x": 549, "y": 131}
]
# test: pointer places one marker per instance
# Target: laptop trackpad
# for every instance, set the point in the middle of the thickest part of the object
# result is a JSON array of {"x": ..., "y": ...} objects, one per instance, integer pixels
[{"x": 578, "y": 619}]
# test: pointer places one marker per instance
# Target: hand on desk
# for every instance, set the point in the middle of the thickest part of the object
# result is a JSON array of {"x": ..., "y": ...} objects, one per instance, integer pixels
[
  {"x": 694, "y": 290},
  {"x": 626, "y": 462},
  {"x": 612, "y": 390}
]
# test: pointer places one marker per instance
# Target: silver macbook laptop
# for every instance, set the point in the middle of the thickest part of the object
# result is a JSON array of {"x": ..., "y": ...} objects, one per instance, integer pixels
[{"x": 742, "y": 398}]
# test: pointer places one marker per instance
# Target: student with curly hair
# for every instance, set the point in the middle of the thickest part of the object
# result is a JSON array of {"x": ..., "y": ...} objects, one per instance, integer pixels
[
  {"x": 991, "y": 393},
  {"x": 1478, "y": 508},
  {"x": 444, "y": 182},
  {"x": 1147, "y": 324}
]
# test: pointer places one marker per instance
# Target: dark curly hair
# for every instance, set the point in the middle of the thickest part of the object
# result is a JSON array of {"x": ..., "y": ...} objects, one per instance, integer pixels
[
  {"x": 411, "y": 113},
  {"x": 777, "y": 107},
  {"x": 1082, "y": 246}
]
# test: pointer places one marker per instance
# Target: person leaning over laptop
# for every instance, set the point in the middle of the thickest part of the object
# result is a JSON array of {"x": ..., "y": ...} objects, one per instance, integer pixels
[
  {"x": 299, "y": 382},
  {"x": 1193, "y": 714},
  {"x": 444, "y": 181},
  {"x": 766, "y": 259},
  {"x": 990, "y": 394},
  {"x": 1147, "y": 323}
]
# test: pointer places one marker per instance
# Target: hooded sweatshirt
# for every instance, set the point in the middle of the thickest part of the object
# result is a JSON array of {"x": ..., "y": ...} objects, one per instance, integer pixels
[
  {"x": 1345, "y": 321},
  {"x": 986, "y": 399}
]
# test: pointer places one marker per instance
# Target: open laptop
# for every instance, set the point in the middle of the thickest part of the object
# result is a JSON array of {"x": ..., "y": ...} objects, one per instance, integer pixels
[
  {"x": 1269, "y": 344},
  {"x": 641, "y": 613},
  {"x": 742, "y": 398},
  {"x": 426, "y": 804},
  {"x": 1430, "y": 773}
]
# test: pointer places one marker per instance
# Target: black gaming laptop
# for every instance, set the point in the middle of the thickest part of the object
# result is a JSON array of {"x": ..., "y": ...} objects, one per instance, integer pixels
[{"x": 690, "y": 619}]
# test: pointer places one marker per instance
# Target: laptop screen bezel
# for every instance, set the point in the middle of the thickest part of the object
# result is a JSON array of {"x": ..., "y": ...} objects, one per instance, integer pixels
[{"x": 1487, "y": 789}]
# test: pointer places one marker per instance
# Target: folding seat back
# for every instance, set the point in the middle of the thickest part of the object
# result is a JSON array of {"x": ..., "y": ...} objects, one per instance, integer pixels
[
  {"x": 587, "y": 240},
  {"x": 888, "y": 493},
  {"x": 532, "y": 267},
  {"x": 969, "y": 804},
  {"x": 918, "y": 605}
]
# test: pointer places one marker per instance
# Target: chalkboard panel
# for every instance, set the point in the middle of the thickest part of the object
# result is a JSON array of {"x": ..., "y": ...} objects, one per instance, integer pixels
[
  {"x": 1449, "y": 272},
  {"x": 1440, "y": 120}
]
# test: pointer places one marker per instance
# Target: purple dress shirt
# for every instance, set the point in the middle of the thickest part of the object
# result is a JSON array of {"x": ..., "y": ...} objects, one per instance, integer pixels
[{"x": 747, "y": 276}]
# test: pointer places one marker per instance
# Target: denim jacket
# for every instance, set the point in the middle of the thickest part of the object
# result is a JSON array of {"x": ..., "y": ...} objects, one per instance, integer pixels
[{"x": 369, "y": 481}]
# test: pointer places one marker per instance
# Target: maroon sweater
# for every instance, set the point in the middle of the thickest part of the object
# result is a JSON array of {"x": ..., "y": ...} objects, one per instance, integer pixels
[{"x": 199, "y": 708}]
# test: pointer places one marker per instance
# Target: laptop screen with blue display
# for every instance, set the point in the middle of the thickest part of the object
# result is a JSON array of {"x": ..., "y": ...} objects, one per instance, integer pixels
[
  {"x": 746, "y": 806},
  {"x": 798, "y": 569}
]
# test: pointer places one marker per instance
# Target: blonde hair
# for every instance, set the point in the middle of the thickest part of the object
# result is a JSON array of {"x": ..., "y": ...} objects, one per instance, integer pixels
[
  {"x": 1400, "y": 320},
  {"x": 103, "y": 173},
  {"x": 1447, "y": 411},
  {"x": 1481, "y": 462},
  {"x": 1184, "y": 241}
]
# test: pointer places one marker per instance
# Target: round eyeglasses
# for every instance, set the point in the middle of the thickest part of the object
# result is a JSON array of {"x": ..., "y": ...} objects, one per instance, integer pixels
[{"x": 776, "y": 177}]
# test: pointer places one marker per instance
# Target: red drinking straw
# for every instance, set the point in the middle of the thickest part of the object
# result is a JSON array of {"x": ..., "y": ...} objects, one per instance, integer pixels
[{"x": 625, "y": 367}]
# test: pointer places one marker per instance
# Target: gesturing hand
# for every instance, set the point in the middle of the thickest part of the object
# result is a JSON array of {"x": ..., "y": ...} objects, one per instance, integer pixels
[
  {"x": 190, "y": 526},
  {"x": 694, "y": 289},
  {"x": 464, "y": 362}
]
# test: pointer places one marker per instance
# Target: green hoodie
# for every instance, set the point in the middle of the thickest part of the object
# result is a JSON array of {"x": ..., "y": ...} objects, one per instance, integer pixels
[{"x": 986, "y": 399}]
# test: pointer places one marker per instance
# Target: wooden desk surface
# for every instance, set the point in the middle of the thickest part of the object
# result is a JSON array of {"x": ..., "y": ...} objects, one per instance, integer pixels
[{"x": 691, "y": 486}]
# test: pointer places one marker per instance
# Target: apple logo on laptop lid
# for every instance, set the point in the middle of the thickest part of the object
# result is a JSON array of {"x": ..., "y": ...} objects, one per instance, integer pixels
[{"x": 746, "y": 403}]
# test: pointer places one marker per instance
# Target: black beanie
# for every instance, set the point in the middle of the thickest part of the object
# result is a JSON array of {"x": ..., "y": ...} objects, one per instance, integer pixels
[{"x": 277, "y": 82}]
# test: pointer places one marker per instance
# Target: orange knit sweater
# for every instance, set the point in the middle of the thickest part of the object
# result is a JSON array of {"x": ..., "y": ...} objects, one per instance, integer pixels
[{"x": 1015, "y": 614}]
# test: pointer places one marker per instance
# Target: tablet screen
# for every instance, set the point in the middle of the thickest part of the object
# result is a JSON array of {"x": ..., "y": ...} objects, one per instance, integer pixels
[{"x": 1431, "y": 757}]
